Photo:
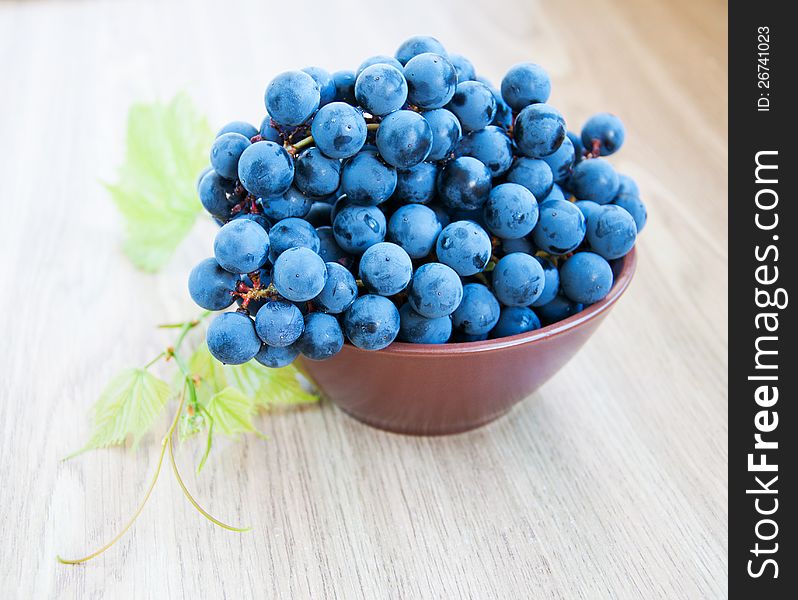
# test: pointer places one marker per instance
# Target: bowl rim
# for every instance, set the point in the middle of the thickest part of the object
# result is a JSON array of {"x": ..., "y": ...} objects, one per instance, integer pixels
[{"x": 624, "y": 276}]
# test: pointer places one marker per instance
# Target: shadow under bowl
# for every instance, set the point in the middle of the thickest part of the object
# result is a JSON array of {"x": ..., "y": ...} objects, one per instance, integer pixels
[{"x": 438, "y": 389}]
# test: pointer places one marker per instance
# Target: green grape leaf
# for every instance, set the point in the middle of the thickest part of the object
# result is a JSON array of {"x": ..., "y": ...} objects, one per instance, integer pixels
[
  {"x": 231, "y": 411},
  {"x": 128, "y": 406},
  {"x": 286, "y": 386},
  {"x": 166, "y": 148}
]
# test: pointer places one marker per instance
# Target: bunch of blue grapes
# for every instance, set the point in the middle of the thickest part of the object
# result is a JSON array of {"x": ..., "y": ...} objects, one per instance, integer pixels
[{"x": 407, "y": 200}]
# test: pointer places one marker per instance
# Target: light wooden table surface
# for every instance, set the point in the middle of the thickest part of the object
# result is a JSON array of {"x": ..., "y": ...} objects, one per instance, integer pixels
[{"x": 610, "y": 482}]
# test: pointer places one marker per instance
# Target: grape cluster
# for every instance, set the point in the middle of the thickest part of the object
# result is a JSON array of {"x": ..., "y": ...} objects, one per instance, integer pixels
[{"x": 408, "y": 199}]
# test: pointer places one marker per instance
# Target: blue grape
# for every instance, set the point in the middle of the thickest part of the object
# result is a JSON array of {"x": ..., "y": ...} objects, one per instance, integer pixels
[
  {"x": 380, "y": 59},
  {"x": 595, "y": 180},
  {"x": 416, "y": 184},
  {"x": 226, "y": 151},
  {"x": 611, "y": 232},
  {"x": 446, "y": 132},
  {"x": 299, "y": 274},
  {"x": 292, "y": 233},
  {"x": 627, "y": 187},
  {"x": 344, "y": 86},
  {"x": 241, "y": 246},
  {"x": 319, "y": 215},
  {"x": 551, "y": 286},
  {"x": 232, "y": 339},
  {"x": 605, "y": 131},
  {"x": 525, "y": 84},
  {"x": 518, "y": 279},
  {"x": 329, "y": 250},
  {"x": 561, "y": 161},
  {"x": 211, "y": 286},
  {"x": 415, "y": 228},
  {"x": 518, "y": 245},
  {"x": 339, "y": 130},
  {"x": 339, "y": 291},
  {"x": 635, "y": 207},
  {"x": 560, "y": 228},
  {"x": 579, "y": 149},
  {"x": 269, "y": 132},
  {"x": 255, "y": 218},
  {"x": 404, "y": 139},
  {"x": 372, "y": 322},
  {"x": 464, "y": 183},
  {"x": 442, "y": 213},
  {"x": 458, "y": 337},
  {"x": 465, "y": 247},
  {"x": 291, "y": 204},
  {"x": 511, "y": 211},
  {"x": 202, "y": 174},
  {"x": 473, "y": 103},
  {"x": 292, "y": 97},
  {"x": 322, "y": 338},
  {"x": 366, "y": 180},
  {"x": 504, "y": 114},
  {"x": 534, "y": 174},
  {"x": 588, "y": 208},
  {"x": 316, "y": 174},
  {"x": 491, "y": 146},
  {"x": 478, "y": 311},
  {"x": 213, "y": 194},
  {"x": 356, "y": 228},
  {"x": 242, "y": 127},
  {"x": 279, "y": 324},
  {"x": 558, "y": 309},
  {"x": 381, "y": 89},
  {"x": 515, "y": 320},
  {"x": 385, "y": 269},
  {"x": 464, "y": 68},
  {"x": 265, "y": 169},
  {"x": 556, "y": 193},
  {"x": 418, "y": 44},
  {"x": 325, "y": 82},
  {"x": 435, "y": 290},
  {"x": 431, "y": 80},
  {"x": 539, "y": 130},
  {"x": 586, "y": 278},
  {"x": 276, "y": 358},
  {"x": 417, "y": 329}
]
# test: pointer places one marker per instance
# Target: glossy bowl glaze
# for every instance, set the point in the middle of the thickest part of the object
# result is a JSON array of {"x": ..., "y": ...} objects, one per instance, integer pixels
[{"x": 428, "y": 389}]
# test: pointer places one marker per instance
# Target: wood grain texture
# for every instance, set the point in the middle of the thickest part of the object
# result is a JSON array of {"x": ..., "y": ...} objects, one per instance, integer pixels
[{"x": 610, "y": 482}]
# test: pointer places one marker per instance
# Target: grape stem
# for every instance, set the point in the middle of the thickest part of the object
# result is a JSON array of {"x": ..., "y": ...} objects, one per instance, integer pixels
[{"x": 309, "y": 141}]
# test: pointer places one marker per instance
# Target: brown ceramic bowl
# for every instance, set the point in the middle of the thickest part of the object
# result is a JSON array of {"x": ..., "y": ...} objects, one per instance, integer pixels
[{"x": 429, "y": 389}]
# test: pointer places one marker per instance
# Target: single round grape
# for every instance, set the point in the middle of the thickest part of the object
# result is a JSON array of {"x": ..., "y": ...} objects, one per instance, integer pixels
[
  {"x": 611, "y": 232},
  {"x": 226, "y": 151},
  {"x": 258, "y": 218},
  {"x": 478, "y": 311},
  {"x": 339, "y": 130},
  {"x": 379, "y": 59},
  {"x": 595, "y": 180},
  {"x": 431, "y": 80},
  {"x": 417, "y": 329},
  {"x": 579, "y": 149},
  {"x": 511, "y": 211},
  {"x": 241, "y": 246},
  {"x": 292, "y": 233},
  {"x": 604, "y": 130},
  {"x": 518, "y": 279},
  {"x": 464, "y": 183},
  {"x": 265, "y": 169},
  {"x": 627, "y": 187},
  {"x": 473, "y": 103},
  {"x": 514, "y": 320},
  {"x": 299, "y": 274},
  {"x": 202, "y": 174},
  {"x": 372, "y": 322},
  {"x": 418, "y": 44},
  {"x": 325, "y": 82},
  {"x": 416, "y": 184},
  {"x": 269, "y": 132},
  {"x": 339, "y": 291},
  {"x": 525, "y": 84},
  {"x": 504, "y": 114},
  {"x": 404, "y": 139},
  {"x": 232, "y": 339},
  {"x": 539, "y": 130},
  {"x": 463, "y": 67},
  {"x": 292, "y": 97},
  {"x": 442, "y": 213},
  {"x": 381, "y": 89},
  {"x": 357, "y": 228},
  {"x": 316, "y": 174},
  {"x": 534, "y": 174},
  {"x": 279, "y": 324},
  {"x": 276, "y": 358},
  {"x": 330, "y": 251},
  {"x": 551, "y": 285},
  {"x": 415, "y": 228},
  {"x": 446, "y": 132},
  {"x": 213, "y": 194},
  {"x": 210, "y": 286},
  {"x": 560, "y": 228},
  {"x": 322, "y": 337},
  {"x": 588, "y": 208},
  {"x": 556, "y": 193},
  {"x": 344, "y": 86},
  {"x": 586, "y": 278},
  {"x": 465, "y": 247},
  {"x": 558, "y": 309},
  {"x": 366, "y": 180},
  {"x": 435, "y": 290},
  {"x": 385, "y": 269},
  {"x": 242, "y": 127},
  {"x": 561, "y": 161},
  {"x": 291, "y": 204},
  {"x": 491, "y": 146},
  {"x": 635, "y": 207}
]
